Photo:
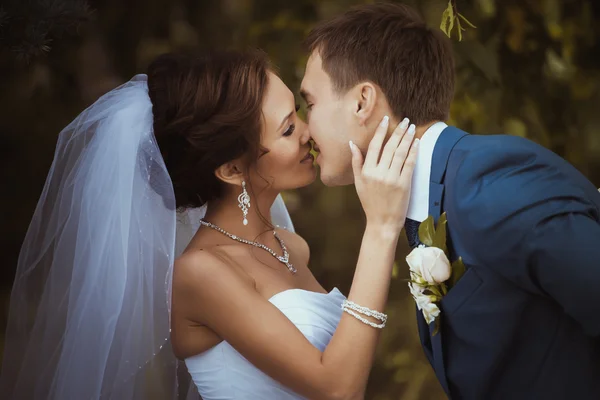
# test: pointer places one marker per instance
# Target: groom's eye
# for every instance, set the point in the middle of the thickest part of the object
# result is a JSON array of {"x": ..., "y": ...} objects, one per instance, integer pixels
[{"x": 290, "y": 130}]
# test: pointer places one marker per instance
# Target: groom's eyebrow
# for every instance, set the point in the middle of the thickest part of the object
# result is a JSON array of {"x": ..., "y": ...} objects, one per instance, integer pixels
[{"x": 305, "y": 95}]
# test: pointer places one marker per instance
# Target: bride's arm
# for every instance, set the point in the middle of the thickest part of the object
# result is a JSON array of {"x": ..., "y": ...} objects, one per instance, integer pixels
[{"x": 231, "y": 306}]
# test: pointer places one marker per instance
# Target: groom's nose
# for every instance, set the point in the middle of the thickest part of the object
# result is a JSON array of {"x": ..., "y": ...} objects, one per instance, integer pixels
[{"x": 304, "y": 132}]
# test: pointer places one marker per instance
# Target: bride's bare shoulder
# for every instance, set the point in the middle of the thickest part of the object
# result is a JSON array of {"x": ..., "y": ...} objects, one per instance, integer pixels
[
  {"x": 201, "y": 267},
  {"x": 203, "y": 280}
]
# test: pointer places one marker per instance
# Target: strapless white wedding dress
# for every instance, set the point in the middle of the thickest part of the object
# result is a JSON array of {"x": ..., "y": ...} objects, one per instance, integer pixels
[{"x": 221, "y": 373}]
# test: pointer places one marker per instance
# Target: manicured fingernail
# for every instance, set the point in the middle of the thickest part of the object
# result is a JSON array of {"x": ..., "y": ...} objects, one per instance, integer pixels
[
  {"x": 404, "y": 124},
  {"x": 411, "y": 129},
  {"x": 416, "y": 142},
  {"x": 385, "y": 121},
  {"x": 351, "y": 145}
]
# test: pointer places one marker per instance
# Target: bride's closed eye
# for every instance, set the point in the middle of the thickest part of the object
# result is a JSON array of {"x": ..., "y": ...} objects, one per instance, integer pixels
[
  {"x": 292, "y": 127},
  {"x": 290, "y": 130}
]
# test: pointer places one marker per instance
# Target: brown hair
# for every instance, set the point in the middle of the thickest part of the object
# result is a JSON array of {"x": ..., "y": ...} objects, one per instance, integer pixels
[
  {"x": 207, "y": 112},
  {"x": 389, "y": 45}
]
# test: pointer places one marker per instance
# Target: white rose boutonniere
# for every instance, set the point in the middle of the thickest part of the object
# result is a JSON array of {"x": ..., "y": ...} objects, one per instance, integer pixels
[
  {"x": 430, "y": 269},
  {"x": 425, "y": 303},
  {"x": 430, "y": 263}
]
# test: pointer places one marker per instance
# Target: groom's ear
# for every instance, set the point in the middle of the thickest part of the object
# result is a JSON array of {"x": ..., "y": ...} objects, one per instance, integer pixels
[
  {"x": 230, "y": 172},
  {"x": 365, "y": 99}
]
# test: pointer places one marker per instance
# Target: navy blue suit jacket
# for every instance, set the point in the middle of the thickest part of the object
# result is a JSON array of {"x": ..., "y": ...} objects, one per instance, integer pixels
[{"x": 523, "y": 322}]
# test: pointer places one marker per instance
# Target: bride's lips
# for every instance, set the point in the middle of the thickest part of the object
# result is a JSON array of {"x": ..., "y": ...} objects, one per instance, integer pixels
[{"x": 307, "y": 157}]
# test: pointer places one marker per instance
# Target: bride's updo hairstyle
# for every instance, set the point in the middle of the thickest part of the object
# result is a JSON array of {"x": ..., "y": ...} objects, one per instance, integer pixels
[{"x": 207, "y": 111}]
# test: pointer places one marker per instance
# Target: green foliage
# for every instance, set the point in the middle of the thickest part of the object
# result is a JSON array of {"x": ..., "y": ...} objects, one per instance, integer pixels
[
  {"x": 427, "y": 231},
  {"x": 439, "y": 239},
  {"x": 458, "y": 270},
  {"x": 450, "y": 18}
]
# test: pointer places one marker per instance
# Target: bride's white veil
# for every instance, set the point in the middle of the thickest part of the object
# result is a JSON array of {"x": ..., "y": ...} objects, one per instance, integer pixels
[{"x": 90, "y": 306}]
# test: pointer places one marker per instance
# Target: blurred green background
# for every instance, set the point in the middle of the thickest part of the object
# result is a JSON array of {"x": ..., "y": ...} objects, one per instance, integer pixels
[{"x": 530, "y": 68}]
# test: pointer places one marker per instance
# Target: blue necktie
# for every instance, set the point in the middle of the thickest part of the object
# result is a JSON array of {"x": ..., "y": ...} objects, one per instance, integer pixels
[{"x": 412, "y": 232}]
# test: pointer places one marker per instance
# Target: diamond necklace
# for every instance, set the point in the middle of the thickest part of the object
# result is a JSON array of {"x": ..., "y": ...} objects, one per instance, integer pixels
[{"x": 285, "y": 259}]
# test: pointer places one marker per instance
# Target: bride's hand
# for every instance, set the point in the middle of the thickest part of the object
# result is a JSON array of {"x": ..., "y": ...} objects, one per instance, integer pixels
[{"x": 383, "y": 180}]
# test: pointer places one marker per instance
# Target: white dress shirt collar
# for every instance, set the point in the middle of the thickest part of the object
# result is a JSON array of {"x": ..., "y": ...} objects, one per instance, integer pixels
[{"x": 418, "y": 208}]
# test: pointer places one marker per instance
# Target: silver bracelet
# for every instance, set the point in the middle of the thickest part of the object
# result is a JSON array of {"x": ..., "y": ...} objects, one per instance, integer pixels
[
  {"x": 364, "y": 310},
  {"x": 364, "y": 320}
]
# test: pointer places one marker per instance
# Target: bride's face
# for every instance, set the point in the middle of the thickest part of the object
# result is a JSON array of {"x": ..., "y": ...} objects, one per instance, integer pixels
[{"x": 286, "y": 162}]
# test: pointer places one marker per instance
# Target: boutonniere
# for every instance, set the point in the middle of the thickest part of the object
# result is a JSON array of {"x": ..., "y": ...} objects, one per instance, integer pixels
[{"x": 431, "y": 272}]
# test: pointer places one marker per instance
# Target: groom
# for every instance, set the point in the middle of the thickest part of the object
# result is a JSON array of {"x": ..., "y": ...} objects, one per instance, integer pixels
[{"x": 523, "y": 322}]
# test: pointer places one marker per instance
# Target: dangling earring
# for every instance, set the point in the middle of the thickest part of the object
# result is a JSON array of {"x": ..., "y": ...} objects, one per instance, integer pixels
[{"x": 244, "y": 202}]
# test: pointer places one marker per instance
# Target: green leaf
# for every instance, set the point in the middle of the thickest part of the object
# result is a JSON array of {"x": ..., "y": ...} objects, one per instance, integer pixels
[
  {"x": 458, "y": 270},
  {"x": 444, "y": 289},
  {"x": 444, "y": 23},
  {"x": 451, "y": 24},
  {"x": 427, "y": 231},
  {"x": 436, "y": 328},
  {"x": 435, "y": 291},
  {"x": 466, "y": 20},
  {"x": 450, "y": 9},
  {"x": 439, "y": 237},
  {"x": 447, "y": 19}
]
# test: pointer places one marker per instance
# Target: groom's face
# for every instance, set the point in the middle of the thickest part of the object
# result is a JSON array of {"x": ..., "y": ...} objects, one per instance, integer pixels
[{"x": 330, "y": 124}]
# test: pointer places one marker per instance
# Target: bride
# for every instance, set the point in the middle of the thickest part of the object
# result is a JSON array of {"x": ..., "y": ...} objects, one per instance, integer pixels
[{"x": 189, "y": 161}]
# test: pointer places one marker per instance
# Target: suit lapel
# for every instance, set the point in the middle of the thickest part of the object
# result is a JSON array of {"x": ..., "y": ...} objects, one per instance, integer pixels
[
  {"x": 439, "y": 161},
  {"x": 425, "y": 336},
  {"x": 441, "y": 154}
]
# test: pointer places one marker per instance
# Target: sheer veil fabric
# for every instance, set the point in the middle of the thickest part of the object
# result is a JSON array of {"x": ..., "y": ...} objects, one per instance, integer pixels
[{"x": 89, "y": 311}]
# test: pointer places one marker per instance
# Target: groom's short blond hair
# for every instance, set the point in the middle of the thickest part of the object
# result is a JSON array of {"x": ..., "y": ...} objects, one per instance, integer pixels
[{"x": 389, "y": 45}]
